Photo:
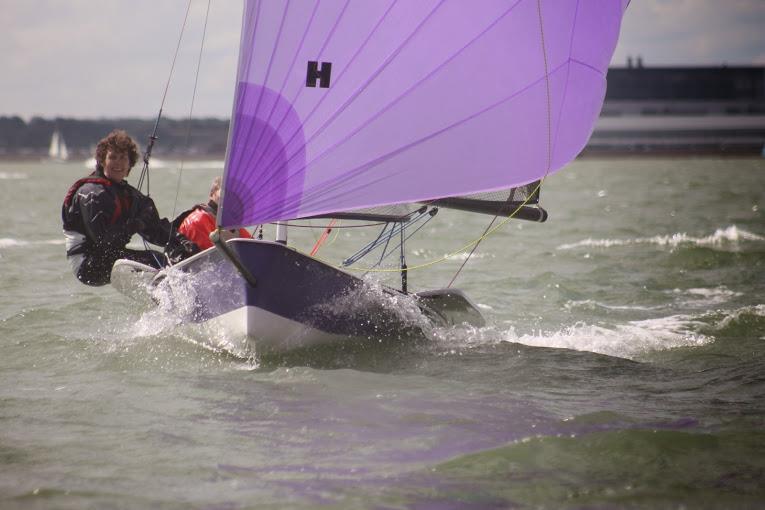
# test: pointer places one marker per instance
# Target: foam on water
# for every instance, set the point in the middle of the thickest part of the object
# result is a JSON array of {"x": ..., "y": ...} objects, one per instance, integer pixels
[
  {"x": 705, "y": 297},
  {"x": 730, "y": 235},
  {"x": 631, "y": 340},
  {"x": 697, "y": 298},
  {"x": 177, "y": 304},
  {"x": 373, "y": 296},
  {"x": 7, "y": 242},
  {"x": 733, "y": 316},
  {"x": 590, "y": 304},
  {"x": 12, "y": 176}
]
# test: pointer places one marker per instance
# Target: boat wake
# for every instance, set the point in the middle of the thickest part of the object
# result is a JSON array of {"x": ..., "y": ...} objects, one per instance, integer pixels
[
  {"x": 12, "y": 176},
  {"x": 693, "y": 298},
  {"x": 730, "y": 237},
  {"x": 8, "y": 242},
  {"x": 634, "y": 340}
]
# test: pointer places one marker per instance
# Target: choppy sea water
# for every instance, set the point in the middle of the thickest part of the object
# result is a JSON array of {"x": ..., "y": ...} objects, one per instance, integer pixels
[{"x": 621, "y": 367}]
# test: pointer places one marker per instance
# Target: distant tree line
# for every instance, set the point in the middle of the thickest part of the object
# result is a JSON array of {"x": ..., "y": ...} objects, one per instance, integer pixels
[{"x": 206, "y": 136}]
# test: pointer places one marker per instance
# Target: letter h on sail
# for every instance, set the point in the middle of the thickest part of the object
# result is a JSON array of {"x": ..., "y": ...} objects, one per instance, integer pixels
[{"x": 314, "y": 73}]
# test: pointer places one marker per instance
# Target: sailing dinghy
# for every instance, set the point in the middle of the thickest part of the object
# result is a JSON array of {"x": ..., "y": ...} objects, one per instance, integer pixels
[
  {"x": 384, "y": 110},
  {"x": 57, "y": 151}
]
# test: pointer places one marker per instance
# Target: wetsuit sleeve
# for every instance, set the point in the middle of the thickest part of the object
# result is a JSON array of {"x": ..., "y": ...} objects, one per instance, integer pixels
[
  {"x": 97, "y": 208},
  {"x": 154, "y": 229},
  {"x": 197, "y": 227}
]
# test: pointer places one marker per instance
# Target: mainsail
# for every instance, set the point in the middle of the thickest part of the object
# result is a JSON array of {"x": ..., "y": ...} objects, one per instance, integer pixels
[{"x": 348, "y": 104}]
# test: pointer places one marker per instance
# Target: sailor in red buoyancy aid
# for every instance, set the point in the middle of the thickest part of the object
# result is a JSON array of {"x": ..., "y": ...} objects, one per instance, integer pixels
[
  {"x": 197, "y": 223},
  {"x": 102, "y": 212}
]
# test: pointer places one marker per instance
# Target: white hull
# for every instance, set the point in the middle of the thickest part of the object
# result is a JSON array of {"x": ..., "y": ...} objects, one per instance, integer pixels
[
  {"x": 268, "y": 333},
  {"x": 297, "y": 302}
]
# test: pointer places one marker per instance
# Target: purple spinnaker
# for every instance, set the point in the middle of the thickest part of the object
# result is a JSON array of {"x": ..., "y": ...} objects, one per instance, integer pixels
[{"x": 425, "y": 99}]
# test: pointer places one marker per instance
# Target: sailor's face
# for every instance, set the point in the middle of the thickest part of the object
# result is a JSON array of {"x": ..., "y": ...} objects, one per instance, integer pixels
[
  {"x": 215, "y": 196},
  {"x": 116, "y": 166}
]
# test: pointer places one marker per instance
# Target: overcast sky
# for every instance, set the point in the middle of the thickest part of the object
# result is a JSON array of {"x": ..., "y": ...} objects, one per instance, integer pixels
[{"x": 106, "y": 58}]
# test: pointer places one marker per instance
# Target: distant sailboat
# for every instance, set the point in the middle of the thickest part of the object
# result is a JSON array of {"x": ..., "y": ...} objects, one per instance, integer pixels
[{"x": 58, "y": 151}]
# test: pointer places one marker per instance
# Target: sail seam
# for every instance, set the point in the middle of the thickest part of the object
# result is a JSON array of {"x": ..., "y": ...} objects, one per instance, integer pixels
[
  {"x": 240, "y": 94},
  {"x": 336, "y": 81},
  {"x": 321, "y": 194},
  {"x": 331, "y": 185},
  {"x": 268, "y": 71},
  {"x": 395, "y": 101},
  {"x": 588, "y": 66},
  {"x": 568, "y": 76},
  {"x": 284, "y": 81},
  {"x": 549, "y": 146},
  {"x": 254, "y": 179},
  {"x": 358, "y": 91}
]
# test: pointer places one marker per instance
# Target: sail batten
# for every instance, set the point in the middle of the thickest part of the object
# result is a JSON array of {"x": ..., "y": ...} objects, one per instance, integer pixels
[{"x": 344, "y": 104}]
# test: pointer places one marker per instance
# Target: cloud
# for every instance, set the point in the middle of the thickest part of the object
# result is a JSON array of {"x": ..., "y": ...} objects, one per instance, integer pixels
[
  {"x": 94, "y": 58},
  {"x": 692, "y": 32},
  {"x": 89, "y": 58}
]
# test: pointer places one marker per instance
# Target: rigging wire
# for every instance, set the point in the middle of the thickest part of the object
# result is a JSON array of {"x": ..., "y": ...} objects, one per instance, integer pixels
[
  {"x": 153, "y": 137},
  {"x": 474, "y": 243},
  {"x": 191, "y": 113},
  {"x": 448, "y": 255},
  {"x": 191, "y": 107},
  {"x": 475, "y": 247},
  {"x": 549, "y": 139}
]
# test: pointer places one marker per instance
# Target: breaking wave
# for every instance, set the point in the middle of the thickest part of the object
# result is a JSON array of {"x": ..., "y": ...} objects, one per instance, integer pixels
[
  {"x": 728, "y": 236},
  {"x": 748, "y": 321},
  {"x": 696, "y": 298},
  {"x": 631, "y": 340},
  {"x": 705, "y": 297},
  {"x": 8, "y": 242}
]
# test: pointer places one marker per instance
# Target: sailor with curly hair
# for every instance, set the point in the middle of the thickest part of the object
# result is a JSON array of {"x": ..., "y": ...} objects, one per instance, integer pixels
[{"x": 102, "y": 212}]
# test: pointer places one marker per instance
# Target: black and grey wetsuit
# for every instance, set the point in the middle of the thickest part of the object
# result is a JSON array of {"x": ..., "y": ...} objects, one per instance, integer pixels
[{"x": 100, "y": 217}]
